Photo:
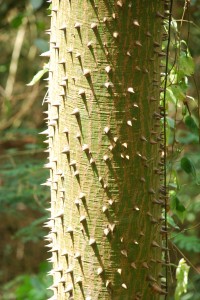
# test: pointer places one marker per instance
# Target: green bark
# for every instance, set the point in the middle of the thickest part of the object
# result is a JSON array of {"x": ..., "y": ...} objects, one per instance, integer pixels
[{"x": 104, "y": 143}]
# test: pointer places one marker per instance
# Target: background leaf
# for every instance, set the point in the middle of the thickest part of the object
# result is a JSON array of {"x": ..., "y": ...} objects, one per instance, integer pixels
[
  {"x": 191, "y": 124},
  {"x": 188, "y": 166},
  {"x": 182, "y": 279},
  {"x": 37, "y": 77}
]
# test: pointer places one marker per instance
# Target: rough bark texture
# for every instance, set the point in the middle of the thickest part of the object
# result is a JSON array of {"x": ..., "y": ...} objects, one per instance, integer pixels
[{"x": 104, "y": 142}]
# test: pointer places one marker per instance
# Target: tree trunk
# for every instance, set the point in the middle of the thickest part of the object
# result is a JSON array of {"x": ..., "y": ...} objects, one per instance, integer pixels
[{"x": 105, "y": 149}]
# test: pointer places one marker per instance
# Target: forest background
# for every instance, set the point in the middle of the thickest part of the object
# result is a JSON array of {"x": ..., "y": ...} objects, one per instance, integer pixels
[{"x": 23, "y": 272}]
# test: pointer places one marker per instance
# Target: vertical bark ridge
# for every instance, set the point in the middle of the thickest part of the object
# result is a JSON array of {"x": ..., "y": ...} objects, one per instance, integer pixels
[{"x": 104, "y": 143}]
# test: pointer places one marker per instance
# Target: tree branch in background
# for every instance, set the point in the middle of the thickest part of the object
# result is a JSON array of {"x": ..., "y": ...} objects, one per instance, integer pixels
[
  {"x": 23, "y": 111},
  {"x": 15, "y": 58}
]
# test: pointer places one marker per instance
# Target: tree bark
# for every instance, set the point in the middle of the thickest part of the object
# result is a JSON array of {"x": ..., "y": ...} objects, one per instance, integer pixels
[{"x": 105, "y": 146}]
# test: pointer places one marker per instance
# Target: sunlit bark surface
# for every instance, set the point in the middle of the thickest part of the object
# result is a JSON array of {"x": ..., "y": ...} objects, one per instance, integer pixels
[{"x": 105, "y": 149}]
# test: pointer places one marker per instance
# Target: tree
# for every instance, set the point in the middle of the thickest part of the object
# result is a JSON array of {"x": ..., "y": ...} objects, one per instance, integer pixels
[{"x": 106, "y": 149}]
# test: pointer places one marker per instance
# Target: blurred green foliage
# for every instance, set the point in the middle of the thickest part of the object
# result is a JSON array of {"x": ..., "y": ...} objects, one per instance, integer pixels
[
  {"x": 22, "y": 198},
  {"x": 29, "y": 287},
  {"x": 183, "y": 151}
]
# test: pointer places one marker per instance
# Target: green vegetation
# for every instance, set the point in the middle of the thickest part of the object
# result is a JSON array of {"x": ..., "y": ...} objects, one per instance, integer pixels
[{"x": 28, "y": 287}]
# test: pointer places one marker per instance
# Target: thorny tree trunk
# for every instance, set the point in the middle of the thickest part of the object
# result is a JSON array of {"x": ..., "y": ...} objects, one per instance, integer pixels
[{"x": 104, "y": 143}]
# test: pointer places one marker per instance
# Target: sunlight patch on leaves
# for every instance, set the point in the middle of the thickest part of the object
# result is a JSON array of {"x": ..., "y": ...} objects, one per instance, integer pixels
[{"x": 182, "y": 279}]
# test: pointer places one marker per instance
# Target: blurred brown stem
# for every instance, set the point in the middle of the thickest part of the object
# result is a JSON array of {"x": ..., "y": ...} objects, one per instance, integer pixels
[
  {"x": 26, "y": 106},
  {"x": 15, "y": 58}
]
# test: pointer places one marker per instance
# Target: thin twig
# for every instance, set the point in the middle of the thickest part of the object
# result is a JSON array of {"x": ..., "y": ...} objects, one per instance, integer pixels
[
  {"x": 165, "y": 134},
  {"x": 189, "y": 262}
]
